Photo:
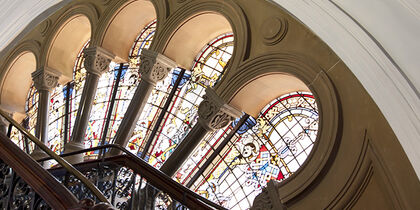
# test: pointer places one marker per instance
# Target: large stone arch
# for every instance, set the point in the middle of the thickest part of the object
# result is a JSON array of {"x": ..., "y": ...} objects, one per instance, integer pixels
[
  {"x": 298, "y": 73},
  {"x": 67, "y": 37},
  {"x": 17, "y": 80}
]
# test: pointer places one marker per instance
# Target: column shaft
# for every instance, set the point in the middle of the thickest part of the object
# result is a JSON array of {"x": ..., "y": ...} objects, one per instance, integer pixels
[
  {"x": 85, "y": 107},
  {"x": 184, "y": 149},
  {"x": 41, "y": 130},
  {"x": 132, "y": 115},
  {"x": 213, "y": 114},
  {"x": 96, "y": 62},
  {"x": 45, "y": 80}
]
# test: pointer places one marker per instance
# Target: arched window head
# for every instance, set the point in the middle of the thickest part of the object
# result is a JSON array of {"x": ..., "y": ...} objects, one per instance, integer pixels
[
  {"x": 272, "y": 146},
  {"x": 143, "y": 41},
  {"x": 181, "y": 114}
]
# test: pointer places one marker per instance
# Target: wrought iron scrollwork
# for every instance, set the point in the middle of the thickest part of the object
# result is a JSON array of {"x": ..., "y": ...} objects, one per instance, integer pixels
[{"x": 15, "y": 193}]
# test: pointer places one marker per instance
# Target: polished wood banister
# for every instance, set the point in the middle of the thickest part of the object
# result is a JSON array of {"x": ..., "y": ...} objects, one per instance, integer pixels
[{"x": 53, "y": 192}]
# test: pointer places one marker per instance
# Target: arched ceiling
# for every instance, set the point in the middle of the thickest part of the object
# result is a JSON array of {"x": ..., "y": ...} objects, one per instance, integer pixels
[
  {"x": 17, "y": 82},
  {"x": 379, "y": 50},
  {"x": 23, "y": 15}
]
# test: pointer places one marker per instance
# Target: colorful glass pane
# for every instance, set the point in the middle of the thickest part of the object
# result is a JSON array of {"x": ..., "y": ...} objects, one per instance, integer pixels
[
  {"x": 76, "y": 88},
  {"x": 32, "y": 108},
  {"x": 273, "y": 146},
  {"x": 99, "y": 111},
  {"x": 181, "y": 115},
  {"x": 56, "y": 119}
]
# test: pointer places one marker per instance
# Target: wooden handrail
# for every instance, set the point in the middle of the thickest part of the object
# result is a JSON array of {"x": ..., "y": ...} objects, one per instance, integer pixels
[
  {"x": 43, "y": 183},
  {"x": 153, "y": 176},
  {"x": 57, "y": 158}
]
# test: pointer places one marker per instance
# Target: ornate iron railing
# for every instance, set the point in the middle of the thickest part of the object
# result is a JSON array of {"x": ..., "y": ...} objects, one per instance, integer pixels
[
  {"x": 131, "y": 183},
  {"x": 125, "y": 181}
]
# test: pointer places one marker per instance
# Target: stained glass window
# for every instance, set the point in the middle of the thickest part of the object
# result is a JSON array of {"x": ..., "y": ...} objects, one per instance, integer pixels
[
  {"x": 76, "y": 88},
  {"x": 181, "y": 114},
  {"x": 19, "y": 139},
  {"x": 130, "y": 77},
  {"x": 127, "y": 83},
  {"x": 32, "y": 108},
  {"x": 56, "y": 119},
  {"x": 272, "y": 146}
]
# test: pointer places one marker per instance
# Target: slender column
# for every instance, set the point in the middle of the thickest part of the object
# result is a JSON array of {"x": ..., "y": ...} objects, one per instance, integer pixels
[
  {"x": 96, "y": 62},
  {"x": 154, "y": 67},
  {"x": 213, "y": 114},
  {"x": 45, "y": 80}
]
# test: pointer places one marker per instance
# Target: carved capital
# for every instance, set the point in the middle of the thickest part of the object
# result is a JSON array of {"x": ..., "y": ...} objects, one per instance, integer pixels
[
  {"x": 268, "y": 198},
  {"x": 45, "y": 78},
  {"x": 154, "y": 66},
  {"x": 97, "y": 60},
  {"x": 214, "y": 113}
]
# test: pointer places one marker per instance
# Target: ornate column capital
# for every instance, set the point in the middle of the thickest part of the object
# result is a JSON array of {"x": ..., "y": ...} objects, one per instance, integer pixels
[
  {"x": 214, "y": 113},
  {"x": 154, "y": 66},
  {"x": 97, "y": 60},
  {"x": 45, "y": 78}
]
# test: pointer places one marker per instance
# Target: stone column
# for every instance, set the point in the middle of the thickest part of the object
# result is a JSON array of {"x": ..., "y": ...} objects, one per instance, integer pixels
[
  {"x": 213, "y": 114},
  {"x": 154, "y": 67},
  {"x": 45, "y": 80},
  {"x": 96, "y": 62}
]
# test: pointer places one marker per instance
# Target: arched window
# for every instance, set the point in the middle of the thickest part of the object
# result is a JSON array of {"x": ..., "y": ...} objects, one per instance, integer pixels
[
  {"x": 121, "y": 80},
  {"x": 65, "y": 99},
  {"x": 272, "y": 146},
  {"x": 181, "y": 113}
]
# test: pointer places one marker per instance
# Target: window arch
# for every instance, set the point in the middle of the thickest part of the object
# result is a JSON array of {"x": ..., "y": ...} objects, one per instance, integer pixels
[
  {"x": 181, "y": 114},
  {"x": 252, "y": 151}
]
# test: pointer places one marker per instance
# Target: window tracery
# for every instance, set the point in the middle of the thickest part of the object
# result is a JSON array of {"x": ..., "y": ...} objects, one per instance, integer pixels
[{"x": 272, "y": 146}]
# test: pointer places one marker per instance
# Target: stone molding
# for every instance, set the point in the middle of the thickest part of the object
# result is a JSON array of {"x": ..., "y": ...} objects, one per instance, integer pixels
[
  {"x": 154, "y": 66},
  {"x": 268, "y": 198},
  {"x": 97, "y": 60},
  {"x": 45, "y": 78},
  {"x": 214, "y": 113}
]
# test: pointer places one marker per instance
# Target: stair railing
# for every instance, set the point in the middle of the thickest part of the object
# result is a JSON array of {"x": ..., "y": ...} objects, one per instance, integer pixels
[
  {"x": 60, "y": 160},
  {"x": 153, "y": 176}
]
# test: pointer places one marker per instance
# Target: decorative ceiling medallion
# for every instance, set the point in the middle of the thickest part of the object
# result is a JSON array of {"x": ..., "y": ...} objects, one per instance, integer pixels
[{"x": 274, "y": 29}]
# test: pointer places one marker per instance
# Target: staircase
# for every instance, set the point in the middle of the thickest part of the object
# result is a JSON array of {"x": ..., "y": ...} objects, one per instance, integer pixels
[{"x": 118, "y": 182}]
